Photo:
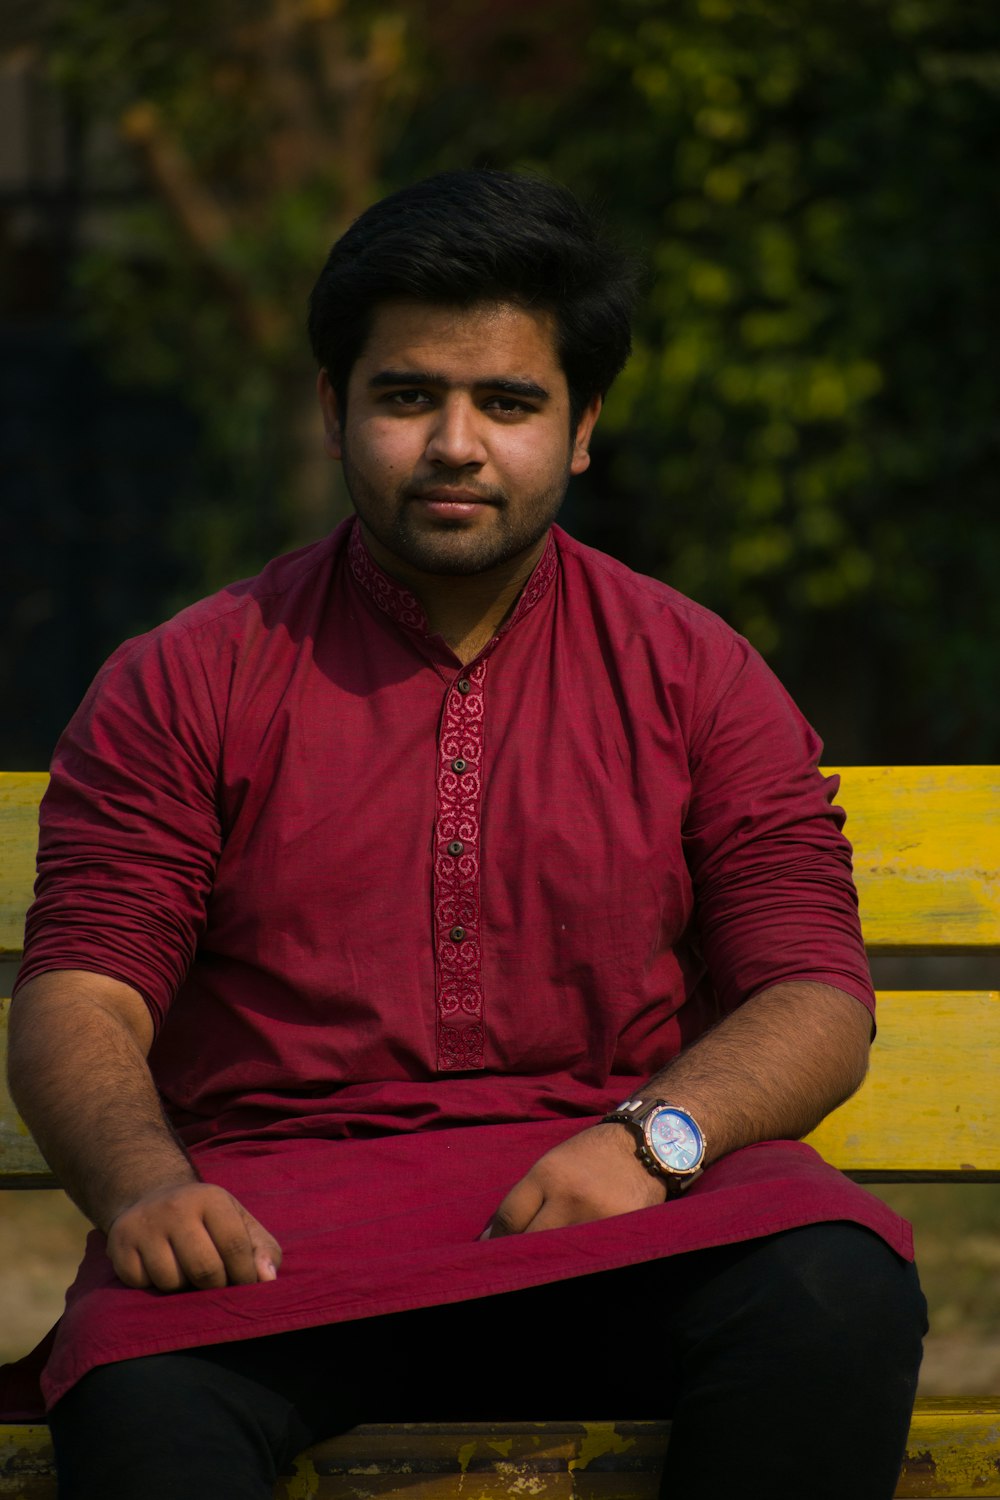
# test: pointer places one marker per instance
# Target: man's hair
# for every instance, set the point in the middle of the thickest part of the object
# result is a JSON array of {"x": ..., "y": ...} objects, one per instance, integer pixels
[{"x": 460, "y": 238}]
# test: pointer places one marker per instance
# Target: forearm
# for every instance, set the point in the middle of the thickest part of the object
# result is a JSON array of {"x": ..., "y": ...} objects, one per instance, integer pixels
[
  {"x": 772, "y": 1069},
  {"x": 78, "y": 1074}
]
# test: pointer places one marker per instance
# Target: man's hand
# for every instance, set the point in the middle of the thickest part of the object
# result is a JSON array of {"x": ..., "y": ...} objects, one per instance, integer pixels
[
  {"x": 78, "y": 1071},
  {"x": 188, "y": 1236},
  {"x": 593, "y": 1175}
]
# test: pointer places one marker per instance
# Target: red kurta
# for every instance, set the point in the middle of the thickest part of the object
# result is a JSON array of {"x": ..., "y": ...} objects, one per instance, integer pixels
[{"x": 403, "y": 925}]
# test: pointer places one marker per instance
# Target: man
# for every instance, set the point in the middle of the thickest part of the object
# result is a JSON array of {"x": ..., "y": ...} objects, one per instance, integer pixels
[{"x": 447, "y": 884}]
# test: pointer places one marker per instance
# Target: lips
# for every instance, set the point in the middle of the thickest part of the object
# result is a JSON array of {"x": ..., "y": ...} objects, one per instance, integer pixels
[
  {"x": 448, "y": 495},
  {"x": 445, "y": 503},
  {"x": 452, "y": 510}
]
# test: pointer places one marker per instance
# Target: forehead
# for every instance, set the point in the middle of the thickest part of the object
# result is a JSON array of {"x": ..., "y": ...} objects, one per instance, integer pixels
[{"x": 464, "y": 343}]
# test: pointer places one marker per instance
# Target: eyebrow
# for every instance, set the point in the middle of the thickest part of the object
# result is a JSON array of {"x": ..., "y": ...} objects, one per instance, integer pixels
[{"x": 503, "y": 383}]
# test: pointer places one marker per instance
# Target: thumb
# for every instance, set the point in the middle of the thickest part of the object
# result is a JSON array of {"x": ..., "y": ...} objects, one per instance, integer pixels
[{"x": 266, "y": 1250}]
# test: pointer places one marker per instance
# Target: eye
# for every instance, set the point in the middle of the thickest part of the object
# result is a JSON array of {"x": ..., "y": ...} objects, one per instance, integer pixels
[
  {"x": 509, "y": 406},
  {"x": 407, "y": 398}
]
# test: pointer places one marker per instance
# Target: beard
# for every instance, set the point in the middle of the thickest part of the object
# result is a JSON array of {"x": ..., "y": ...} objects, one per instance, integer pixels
[{"x": 509, "y": 529}]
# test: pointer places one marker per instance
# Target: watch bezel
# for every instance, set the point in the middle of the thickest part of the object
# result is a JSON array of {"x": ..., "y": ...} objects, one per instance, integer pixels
[{"x": 656, "y": 1111}]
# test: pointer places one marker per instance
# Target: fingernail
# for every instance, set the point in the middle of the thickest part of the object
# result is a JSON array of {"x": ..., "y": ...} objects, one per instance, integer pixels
[{"x": 269, "y": 1271}]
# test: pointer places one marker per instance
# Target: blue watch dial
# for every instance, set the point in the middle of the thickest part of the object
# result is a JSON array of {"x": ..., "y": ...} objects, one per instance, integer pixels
[{"x": 674, "y": 1139}]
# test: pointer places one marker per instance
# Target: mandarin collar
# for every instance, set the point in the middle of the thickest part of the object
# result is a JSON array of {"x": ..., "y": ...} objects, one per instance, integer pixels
[{"x": 405, "y": 608}]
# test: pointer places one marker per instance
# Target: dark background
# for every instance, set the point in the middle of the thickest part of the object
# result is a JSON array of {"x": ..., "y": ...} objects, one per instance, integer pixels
[{"x": 806, "y": 439}]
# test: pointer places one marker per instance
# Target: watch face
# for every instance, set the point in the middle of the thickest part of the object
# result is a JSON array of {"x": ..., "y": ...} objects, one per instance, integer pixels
[{"x": 674, "y": 1139}]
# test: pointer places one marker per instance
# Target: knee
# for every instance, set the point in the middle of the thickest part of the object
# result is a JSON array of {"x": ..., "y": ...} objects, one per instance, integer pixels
[
  {"x": 136, "y": 1392},
  {"x": 819, "y": 1326},
  {"x": 829, "y": 1296},
  {"x": 166, "y": 1425},
  {"x": 839, "y": 1290}
]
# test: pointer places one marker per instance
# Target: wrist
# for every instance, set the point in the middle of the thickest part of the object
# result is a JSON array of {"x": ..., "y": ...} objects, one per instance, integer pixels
[
  {"x": 126, "y": 1197},
  {"x": 667, "y": 1140}
]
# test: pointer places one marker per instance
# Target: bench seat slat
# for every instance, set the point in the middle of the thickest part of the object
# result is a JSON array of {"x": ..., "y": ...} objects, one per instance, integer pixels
[{"x": 950, "y": 1452}]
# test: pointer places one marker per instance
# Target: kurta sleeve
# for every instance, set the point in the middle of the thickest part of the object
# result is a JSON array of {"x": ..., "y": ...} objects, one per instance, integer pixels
[
  {"x": 774, "y": 894},
  {"x": 129, "y": 826}
]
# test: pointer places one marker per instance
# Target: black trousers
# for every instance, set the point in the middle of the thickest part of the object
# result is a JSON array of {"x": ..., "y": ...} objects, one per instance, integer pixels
[{"x": 788, "y": 1364}]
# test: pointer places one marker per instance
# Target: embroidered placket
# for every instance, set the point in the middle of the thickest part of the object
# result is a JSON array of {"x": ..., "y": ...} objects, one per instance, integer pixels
[
  {"x": 457, "y": 909},
  {"x": 458, "y": 948}
]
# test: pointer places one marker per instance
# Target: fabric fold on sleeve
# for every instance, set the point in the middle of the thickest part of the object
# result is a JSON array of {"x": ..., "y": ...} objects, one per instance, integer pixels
[
  {"x": 763, "y": 839},
  {"x": 130, "y": 829}
]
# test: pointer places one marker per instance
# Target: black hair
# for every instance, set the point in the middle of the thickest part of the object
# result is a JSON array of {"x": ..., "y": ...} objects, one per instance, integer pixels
[{"x": 464, "y": 237}]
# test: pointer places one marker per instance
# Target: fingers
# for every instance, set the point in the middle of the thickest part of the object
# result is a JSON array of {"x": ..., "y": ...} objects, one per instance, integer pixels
[
  {"x": 190, "y": 1259},
  {"x": 128, "y": 1265},
  {"x": 541, "y": 1210},
  {"x": 592, "y": 1175},
  {"x": 517, "y": 1210},
  {"x": 227, "y": 1225},
  {"x": 247, "y": 1251},
  {"x": 191, "y": 1237},
  {"x": 558, "y": 1213}
]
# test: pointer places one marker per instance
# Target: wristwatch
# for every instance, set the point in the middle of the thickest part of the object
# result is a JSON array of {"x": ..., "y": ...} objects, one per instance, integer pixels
[{"x": 669, "y": 1141}]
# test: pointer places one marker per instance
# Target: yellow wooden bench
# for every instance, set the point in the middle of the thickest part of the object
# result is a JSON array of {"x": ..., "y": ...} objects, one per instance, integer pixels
[{"x": 927, "y": 859}]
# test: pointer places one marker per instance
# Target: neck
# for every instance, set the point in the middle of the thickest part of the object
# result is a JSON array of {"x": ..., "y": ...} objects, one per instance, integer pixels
[{"x": 465, "y": 609}]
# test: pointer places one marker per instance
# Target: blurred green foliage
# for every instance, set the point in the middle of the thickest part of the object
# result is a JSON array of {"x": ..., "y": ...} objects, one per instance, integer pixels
[
  {"x": 806, "y": 438},
  {"x": 255, "y": 126}
]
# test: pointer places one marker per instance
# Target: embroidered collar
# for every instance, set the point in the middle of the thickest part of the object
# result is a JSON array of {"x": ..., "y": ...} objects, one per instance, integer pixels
[{"x": 405, "y": 608}]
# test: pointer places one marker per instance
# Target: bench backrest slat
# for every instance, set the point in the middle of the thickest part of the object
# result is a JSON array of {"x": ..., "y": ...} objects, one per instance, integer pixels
[
  {"x": 926, "y": 855},
  {"x": 21, "y": 1163},
  {"x": 926, "y": 839},
  {"x": 20, "y": 794},
  {"x": 927, "y": 1110}
]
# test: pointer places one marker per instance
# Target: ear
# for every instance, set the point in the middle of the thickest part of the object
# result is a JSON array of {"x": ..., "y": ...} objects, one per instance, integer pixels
[
  {"x": 333, "y": 437},
  {"x": 580, "y": 457}
]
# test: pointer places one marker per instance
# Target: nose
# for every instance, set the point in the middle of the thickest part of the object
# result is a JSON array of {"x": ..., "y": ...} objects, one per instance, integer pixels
[{"x": 455, "y": 440}]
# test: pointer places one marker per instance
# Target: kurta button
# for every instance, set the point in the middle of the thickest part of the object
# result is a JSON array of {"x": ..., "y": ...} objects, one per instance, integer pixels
[
  {"x": 457, "y": 934},
  {"x": 464, "y": 685},
  {"x": 458, "y": 765},
  {"x": 456, "y": 847}
]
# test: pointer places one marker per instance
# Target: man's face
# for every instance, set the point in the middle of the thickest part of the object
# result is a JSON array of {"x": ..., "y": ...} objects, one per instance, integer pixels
[{"x": 456, "y": 443}]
